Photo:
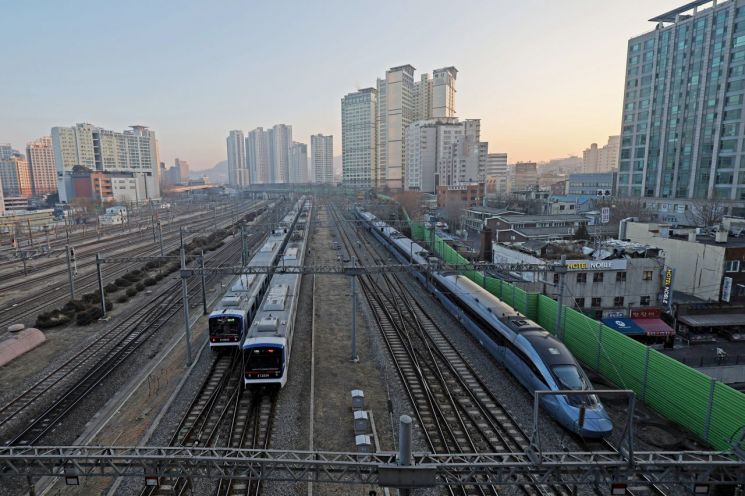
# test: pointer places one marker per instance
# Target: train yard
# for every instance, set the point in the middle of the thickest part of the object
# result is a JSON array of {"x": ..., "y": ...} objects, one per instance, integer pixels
[{"x": 285, "y": 382}]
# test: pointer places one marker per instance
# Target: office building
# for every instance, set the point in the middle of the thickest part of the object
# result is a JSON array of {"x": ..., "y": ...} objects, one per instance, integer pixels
[
  {"x": 683, "y": 121},
  {"x": 6, "y": 151},
  {"x": 358, "y": 138},
  {"x": 40, "y": 156},
  {"x": 132, "y": 153},
  {"x": 496, "y": 168},
  {"x": 322, "y": 158},
  {"x": 298, "y": 158},
  {"x": 525, "y": 176},
  {"x": 238, "y": 176},
  {"x": 592, "y": 184},
  {"x": 182, "y": 170},
  {"x": 15, "y": 176}
]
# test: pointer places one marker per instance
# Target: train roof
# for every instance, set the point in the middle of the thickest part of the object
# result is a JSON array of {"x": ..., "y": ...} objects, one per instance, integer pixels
[{"x": 551, "y": 350}]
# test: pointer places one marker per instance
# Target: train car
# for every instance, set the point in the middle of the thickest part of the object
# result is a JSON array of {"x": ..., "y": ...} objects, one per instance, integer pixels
[
  {"x": 232, "y": 317},
  {"x": 268, "y": 343},
  {"x": 535, "y": 358}
]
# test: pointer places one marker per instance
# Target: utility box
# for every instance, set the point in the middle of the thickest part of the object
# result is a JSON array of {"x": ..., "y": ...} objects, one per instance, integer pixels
[
  {"x": 358, "y": 399},
  {"x": 363, "y": 443},
  {"x": 361, "y": 422}
]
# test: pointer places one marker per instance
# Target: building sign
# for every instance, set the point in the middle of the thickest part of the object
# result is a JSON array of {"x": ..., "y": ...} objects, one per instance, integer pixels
[
  {"x": 605, "y": 215},
  {"x": 727, "y": 289},
  {"x": 667, "y": 287},
  {"x": 615, "y": 315},
  {"x": 645, "y": 313},
  {"x": 586, "y": 265}
]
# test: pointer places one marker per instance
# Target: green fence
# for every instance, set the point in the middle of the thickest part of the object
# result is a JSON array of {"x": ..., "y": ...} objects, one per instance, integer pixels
[{"x": 704, "y": 406}]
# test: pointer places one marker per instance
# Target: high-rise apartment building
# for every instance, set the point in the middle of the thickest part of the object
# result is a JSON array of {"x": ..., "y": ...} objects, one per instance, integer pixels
[
  {"x": 40, "y": 156},
  {"x": 280, "y": 139},
  {"x": 601, "y": 159},
  {"x": 358, "y": 138},
  {"x": 257, "y": 156},
  {"x": 683, "y": 120},
  {"x": 298, "y": 158},
  {"x": 131, "y": 154},
  {"x": 238, "y": 176},
  {"x": 443, "y": 152},
  {"x": 322, "y": 158},
  {"x": 182, "y": 168},
  {"x": 443, "y": 92},
  {"x": 15, "y": 176},
  {"x": 396, "y": 110},
  {"x": 401, "y": 101},
  {"x": 6, "y": 151}
]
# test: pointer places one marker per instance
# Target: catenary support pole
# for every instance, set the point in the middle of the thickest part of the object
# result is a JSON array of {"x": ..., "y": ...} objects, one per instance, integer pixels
[
  {"x": 355, "y": 358},
  {"x": 70, "y": 277},
  {"x": 561, "y": 270},
  {"x": 185, "y": 301},
  {"x": 204, "y": 285},
  {"x": 404, "y": 446},
  {"x": 160, "y": 237},
  {"x": 100, "y": 285}
]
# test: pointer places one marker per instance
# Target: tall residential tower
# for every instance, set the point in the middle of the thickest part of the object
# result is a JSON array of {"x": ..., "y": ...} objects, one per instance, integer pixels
[
  {"x": 322, "y": 158},
  {"x": 358, "y": 138},
  {"x": 238, "y": 176},
  {"x": 40, "y": 156}
]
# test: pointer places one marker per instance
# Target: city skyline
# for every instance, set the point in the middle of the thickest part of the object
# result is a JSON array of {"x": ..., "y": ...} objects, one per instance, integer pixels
[{"x": 188, "y": 89}]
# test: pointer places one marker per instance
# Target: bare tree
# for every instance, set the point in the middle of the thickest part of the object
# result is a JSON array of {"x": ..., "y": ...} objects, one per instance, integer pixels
[
  {"x": 453, "y": 212},
  {"x": 412, "y": 201},
  {"x": 705, "y": 213}
]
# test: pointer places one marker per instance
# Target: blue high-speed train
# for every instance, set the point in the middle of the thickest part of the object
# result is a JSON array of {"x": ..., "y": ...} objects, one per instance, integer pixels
[{"x": 533, "y": 356}]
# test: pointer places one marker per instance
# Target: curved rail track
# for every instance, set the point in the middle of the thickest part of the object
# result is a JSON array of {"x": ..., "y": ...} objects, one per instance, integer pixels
[
  {"x": 74, "y": 379},
  {"x": 455, "y": 410},
  {"x": 32, "y": 305}
]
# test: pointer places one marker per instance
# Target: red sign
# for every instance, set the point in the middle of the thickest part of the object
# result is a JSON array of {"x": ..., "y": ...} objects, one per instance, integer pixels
[{"x": 645, "y": 313}]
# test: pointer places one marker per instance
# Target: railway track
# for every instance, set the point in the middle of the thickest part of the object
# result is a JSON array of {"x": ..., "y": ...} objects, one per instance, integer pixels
[
  {"x": 30, "y": 306},
  {"x": 455, "y": 410},
  {"x": 74, "y": 379}
]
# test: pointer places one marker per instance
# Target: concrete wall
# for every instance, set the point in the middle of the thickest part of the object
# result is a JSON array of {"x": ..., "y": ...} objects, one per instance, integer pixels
[
  {"x": 728, "y": 374},
  {"x": 698, "y": 267}
]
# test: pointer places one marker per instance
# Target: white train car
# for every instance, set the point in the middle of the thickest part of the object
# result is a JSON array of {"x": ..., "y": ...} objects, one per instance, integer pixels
[
  {"x": 268, "y": 343},
  {"x": 232, "y": 317}
]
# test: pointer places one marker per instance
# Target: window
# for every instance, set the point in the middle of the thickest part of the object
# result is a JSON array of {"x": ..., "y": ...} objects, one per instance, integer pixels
[
  {"x": 582, "y": 278},
  {"x": 620, "y": 276},
  {"x": 579, "y": 302},
  {"x": 732, "y": 265},
  {"x": 647, "y": 275},
  {"x": 597, "y": 277},
  {"x": 556, "y": 278},
  {"x": 644, "y": 301},
  {"x": 618, "y": 301},
  {"x": 596, "y": 302}
]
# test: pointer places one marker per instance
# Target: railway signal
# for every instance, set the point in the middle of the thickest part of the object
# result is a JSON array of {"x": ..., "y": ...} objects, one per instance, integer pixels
[{"x": 70, "y": 271}]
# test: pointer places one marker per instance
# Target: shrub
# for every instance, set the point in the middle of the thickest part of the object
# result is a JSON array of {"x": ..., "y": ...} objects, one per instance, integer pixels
[
  {"x": 89, "y": 316},
  {"x": 51, "y": 319},
  {"x": 73, "y": 306},
  {"x": 133, "y": 276},
  {"x": 140, "y": 286},
  {"x": 111, "y": 288},
  {"x": 122, "y": 282},
  {"x": 150, "y": 281},
  {"x": 91, "y": 298},
  {"x": 151, "y": 265},
  {"x": 122, "y": 299},
  {"x": 158, "y": 277},
  {"x": 109, "y": 306},
  {"x": 131, "y": 292}
]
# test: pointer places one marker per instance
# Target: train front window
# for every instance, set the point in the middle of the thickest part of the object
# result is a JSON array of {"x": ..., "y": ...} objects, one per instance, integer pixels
[
  {"x": 569, "y": 377},
  {"x": 220, "y": 326},
  {"x": 264, "y": 360}
]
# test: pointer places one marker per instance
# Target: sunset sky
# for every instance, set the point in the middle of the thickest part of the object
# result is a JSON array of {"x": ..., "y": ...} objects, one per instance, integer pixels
[{"x": 544, "y": 76}]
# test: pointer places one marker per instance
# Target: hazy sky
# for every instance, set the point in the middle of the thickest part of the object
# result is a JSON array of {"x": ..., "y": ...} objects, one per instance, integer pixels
[{"x": 544, "y": 76}]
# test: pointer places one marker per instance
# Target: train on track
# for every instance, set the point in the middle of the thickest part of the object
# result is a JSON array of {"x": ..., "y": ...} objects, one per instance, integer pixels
[
  {"x": 234, "y": 313},
  {"x": 267, "y": 347},
  {"x": 535, "y": 358}
]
